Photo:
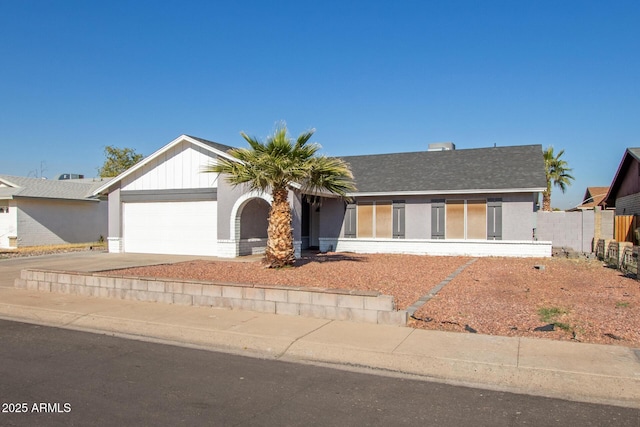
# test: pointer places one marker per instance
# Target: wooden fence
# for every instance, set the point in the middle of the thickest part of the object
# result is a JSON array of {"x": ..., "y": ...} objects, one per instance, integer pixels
[{"x": 624, "y": 227}]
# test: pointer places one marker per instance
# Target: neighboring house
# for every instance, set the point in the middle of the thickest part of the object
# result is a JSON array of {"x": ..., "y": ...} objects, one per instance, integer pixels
[
  {"x": 46, "y": 212},
  {"x": 593, "y": 197},
  {"x": 456, "y": 202},
  {"x": 624, "y": 191},
  {"x": 624, "y": 196}
]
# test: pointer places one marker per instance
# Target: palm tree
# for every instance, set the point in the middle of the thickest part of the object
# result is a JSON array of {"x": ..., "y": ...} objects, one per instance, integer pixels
[
  {"x": 557, "y": 174},
  {"x": 277, "y": 165}
]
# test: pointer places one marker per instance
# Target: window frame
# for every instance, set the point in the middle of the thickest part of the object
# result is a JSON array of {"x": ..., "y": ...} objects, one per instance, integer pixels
[
  {"x": 396, "y": 220},
  {"x": 492, "y": 221}
]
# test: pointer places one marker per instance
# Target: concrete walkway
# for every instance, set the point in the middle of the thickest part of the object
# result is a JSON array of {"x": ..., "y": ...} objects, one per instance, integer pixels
[{"x": 574, "y": 371}]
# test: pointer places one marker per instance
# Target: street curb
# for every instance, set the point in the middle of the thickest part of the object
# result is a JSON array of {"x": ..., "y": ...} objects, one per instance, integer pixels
[{"x": 574, "y": 386}]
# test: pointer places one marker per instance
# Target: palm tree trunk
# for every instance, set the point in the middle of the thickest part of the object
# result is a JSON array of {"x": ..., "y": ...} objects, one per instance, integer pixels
[
  {"x": 279, "y": 252},
  {"x": 546, "y": 201}
]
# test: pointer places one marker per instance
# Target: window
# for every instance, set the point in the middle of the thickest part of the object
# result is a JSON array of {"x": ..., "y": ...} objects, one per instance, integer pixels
[
  {"x": 379, "y": 219},
  {"x": 466, "y": 219},
  {"x": 454, "y": 219},
  {"x": 374, "y": 219},
  {"x": 476, "y": 219}
]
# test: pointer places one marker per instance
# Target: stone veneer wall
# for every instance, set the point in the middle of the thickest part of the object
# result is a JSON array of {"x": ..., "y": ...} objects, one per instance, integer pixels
[{"x": 359, "y": 306}]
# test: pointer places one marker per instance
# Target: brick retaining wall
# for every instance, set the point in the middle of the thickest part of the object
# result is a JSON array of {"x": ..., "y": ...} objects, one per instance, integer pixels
[{"x": 359, "y": 306}]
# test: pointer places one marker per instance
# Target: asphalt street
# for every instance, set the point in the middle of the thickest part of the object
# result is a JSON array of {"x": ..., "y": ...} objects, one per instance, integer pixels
[{"x": 58, "y": 377}]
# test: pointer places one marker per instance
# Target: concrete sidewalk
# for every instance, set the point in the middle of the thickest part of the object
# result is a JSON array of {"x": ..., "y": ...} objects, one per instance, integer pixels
[{"x": 574, "y": 371}]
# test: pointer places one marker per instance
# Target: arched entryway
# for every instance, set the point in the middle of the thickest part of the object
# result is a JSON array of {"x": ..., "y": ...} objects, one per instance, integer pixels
[{"x": 250, "y": 225}]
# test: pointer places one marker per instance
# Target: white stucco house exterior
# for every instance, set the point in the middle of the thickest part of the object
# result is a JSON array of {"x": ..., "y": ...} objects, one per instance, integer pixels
[
  {"x": 478, "y": 202},
  {"x": 48, "y": 212}
]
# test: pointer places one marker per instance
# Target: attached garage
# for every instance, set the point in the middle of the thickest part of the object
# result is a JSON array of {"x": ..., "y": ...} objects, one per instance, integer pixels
[
  {"x": 165, "y": 204},
  {"x": 178, "y": 227}
]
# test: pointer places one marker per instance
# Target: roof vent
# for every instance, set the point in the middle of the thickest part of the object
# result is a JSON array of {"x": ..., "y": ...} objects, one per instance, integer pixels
[
  {"x": 70, "y": 176},
  {"x": 442, "y": 146}
]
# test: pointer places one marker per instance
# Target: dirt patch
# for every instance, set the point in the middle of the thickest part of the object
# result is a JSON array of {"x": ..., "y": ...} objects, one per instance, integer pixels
[
  {"x": 582, "y": 300},
  {"x": 29, "y": 251}
]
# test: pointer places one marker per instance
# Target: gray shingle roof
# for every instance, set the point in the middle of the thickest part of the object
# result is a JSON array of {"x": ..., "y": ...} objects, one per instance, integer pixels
[
  {"x": 495, "y": 168},
  {"x": 20, "y": 186},
  {"x": 215, "y": 145}
]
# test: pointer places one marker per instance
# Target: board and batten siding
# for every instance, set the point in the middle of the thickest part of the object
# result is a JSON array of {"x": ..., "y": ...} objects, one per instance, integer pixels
[{"x": 178, "y": 168}]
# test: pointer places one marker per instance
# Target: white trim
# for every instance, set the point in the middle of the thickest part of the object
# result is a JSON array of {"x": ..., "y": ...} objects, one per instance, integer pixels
[
  {"x": 8, "y": 183},
  {"x": 114, "y": 244},
  {"x": 441, "y": 192},
  {"x": 148, "y": 159}
]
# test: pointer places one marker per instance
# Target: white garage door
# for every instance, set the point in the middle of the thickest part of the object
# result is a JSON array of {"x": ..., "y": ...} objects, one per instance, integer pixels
[{"x": 185, "y": 228}]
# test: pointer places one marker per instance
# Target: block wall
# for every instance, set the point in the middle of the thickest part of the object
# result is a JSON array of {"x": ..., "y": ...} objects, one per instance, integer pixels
[
  {"x": 575, "y": 230},
  {"x": 358, "y": 306}
]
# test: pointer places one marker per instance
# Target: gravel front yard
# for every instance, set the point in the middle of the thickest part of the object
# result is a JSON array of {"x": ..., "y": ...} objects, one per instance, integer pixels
[{"x": 584, "y": 300}]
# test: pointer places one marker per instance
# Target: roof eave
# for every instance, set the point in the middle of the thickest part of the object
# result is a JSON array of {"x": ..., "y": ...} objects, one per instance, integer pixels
[
  {"x": 8, "y": 183},
  {"x": 72, "y": 199},
  {"x": 442, "y": 192}
]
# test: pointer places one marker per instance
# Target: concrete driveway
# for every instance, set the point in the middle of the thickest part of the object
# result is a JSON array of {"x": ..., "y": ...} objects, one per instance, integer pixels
[{"x": 92, "y": 261}]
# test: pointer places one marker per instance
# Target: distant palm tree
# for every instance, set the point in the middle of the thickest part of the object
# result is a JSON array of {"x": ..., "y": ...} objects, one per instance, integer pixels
[
  {"x": 557, "y": 173},
  {"x": 277, "y": 165}
]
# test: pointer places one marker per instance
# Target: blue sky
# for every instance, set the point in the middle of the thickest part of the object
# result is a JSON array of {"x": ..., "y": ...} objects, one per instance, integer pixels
[{"x": 371, "y": 77}]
